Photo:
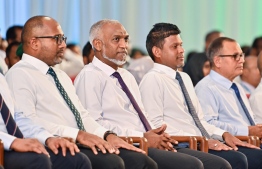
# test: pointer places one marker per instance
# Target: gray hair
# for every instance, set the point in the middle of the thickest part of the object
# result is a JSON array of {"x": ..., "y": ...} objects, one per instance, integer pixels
[
  {"x": 215, "y": 48},
  {"x": 95, "y": 30}
]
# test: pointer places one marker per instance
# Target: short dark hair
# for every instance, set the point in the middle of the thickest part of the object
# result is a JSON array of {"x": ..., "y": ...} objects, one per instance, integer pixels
[
  {"x": 11, "y": 34},
  {"x": 9, "y": 47},
  {"x": 215, "y": 48},
  {"x": 87, "y": 49},
  {"x": 209, "y": 34},
  {"x": 255, "y": 42},
  {"x": 157, "y": 35}
]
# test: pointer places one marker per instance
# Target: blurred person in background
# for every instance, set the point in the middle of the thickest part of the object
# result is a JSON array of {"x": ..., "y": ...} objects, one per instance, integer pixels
[
  {"x": 11, "y": 56},
  {"x": 13, "y": 33},
  {"x": 88, "y": 53},
  {"x": 256, "y": 47}
]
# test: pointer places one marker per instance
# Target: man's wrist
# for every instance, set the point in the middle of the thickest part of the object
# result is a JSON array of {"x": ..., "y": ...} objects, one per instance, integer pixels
[{"x": 107, "y": 133}]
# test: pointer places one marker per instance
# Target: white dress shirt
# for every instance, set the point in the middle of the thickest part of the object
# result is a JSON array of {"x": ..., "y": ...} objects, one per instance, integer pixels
[
  {"x": 108, "y": 104},
  {"x": 165, "y": 103},
  {"x": 221, "y": 106},
  {"x": 255, "y": 103},
  {"x": 27, "y": 127},
  {"x": 39, "y": 98}
]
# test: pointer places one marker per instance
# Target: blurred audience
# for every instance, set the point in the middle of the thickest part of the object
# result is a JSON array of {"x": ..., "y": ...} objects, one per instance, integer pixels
[
  {"x": 137, "y": 53},
  {"x": 72, "y": 64},
  {"x": 256, "y": 47},
  {"x": 139, "y": 67},
  {"x": 13, "y": 33},
  {"x": 197, "y": 68},
  {"x": 11, "y": 56},
  {"x": 74, "y": 48},
  {"x": 256, "y": 96},
  {"x": 250, "y": 77},
  {"x": 200, "y": 66},
  {"x": 88, "y": 53}
]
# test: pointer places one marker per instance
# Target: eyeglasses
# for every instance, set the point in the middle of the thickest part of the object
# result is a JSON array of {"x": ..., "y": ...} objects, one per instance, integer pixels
[
  {"x": 59, "y": 38},
  {"x": 236, "y": 56}
]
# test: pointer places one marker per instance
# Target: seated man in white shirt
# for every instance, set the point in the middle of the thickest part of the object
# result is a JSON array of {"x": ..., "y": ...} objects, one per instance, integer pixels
[
  {"x": 224, "y": 103},
  {"x": 30, "y": 152},
  {"x": 164, "y": 99},
  {"x": 256, "y": 96},
  {"x": 47, "y": 96},
  {"x": 116, "y": 103}
]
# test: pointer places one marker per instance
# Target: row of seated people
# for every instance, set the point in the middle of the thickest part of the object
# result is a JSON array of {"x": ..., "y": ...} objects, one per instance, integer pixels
[{"x": 106, "y": 101}]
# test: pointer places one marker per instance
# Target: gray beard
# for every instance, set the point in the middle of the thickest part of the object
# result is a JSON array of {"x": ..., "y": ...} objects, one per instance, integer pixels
[{"x": 117, "y": 62}]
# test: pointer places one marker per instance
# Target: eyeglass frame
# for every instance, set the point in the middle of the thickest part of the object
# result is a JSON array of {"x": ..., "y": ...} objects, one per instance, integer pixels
[
  {"x": 59, "y": 38},
  {"x": 235, "y": 56}
]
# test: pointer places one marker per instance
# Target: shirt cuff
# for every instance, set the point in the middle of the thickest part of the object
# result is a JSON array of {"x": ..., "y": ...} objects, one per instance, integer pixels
[
  {"x": 43, "y": 136},
  {"x": 218, "y": 133},
  {"x": 70, "y": 132},
  {"x": 242, "y": 130},
  {"x": 8, "y": 140}
]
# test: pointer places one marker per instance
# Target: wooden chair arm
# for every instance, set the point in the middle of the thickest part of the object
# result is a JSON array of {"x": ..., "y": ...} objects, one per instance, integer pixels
[
  {"x": 250, "y": 139},
  {"x": 203, "y": 143},
  {"x": 190, "y": 139},
  {"x": 141, "y": 140},
  {"x": 1, "y": 153}
]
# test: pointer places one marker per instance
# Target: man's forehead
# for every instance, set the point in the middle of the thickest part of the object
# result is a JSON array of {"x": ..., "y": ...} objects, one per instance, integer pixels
[{"x": 115, "y": 29}]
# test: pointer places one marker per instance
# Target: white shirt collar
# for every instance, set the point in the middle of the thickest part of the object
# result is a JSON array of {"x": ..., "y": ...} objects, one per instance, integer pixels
[
  {"x": 38, "y": 64},
  {"x": 220, "y": 79},
  {"x": 104, "y": 67},
  {"x": 165, "y": 69}
]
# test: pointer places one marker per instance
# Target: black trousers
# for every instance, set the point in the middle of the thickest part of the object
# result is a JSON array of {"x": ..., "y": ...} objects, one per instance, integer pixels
[
  {"x": 252, "y": 158},
  {"x": 125, "y": 160},
  {"x": 209, "y": 161},
  {"x": 174, "y": 160},
  {"x": 30, "y": 160}
]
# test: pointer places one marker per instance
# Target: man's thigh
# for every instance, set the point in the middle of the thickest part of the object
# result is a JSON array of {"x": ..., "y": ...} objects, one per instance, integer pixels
[
  {"x": 103, "y": 161},
  {"x": 174, "y": 160},
  {"x": 28, "y": 160},
  {"x": 209, "y": 161},
  {"x": 135, "y": 160},
  {"x": 254, "y": 157},
  {"x": 78, "y": 161}
]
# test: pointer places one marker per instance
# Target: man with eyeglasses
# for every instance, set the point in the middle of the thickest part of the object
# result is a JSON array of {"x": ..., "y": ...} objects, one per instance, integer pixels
[
  {"x": 47, "y": 96},
  {"x": 224, "y": 103}
]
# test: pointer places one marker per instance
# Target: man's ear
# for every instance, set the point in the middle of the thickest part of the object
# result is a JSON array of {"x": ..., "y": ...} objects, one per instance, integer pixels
[
  {"x": 217, "y": 61},
  {"x": 97, "y": 45},
  {"x": 34, "y": 43},
  {"x": 157, "y": 52}
]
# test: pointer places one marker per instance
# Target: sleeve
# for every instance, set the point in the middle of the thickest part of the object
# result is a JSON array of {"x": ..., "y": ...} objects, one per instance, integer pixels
[
  {"x": 210, "y": 106},
  {"x": 23, "y": 89},
  {"x": 90, "y": 88},
  {"x": 30, "y": 129},
  {"x": 6, "y": 139}
]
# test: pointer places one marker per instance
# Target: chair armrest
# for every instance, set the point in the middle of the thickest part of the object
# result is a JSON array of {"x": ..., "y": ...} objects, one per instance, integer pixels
[
  {"x": 203, "y": 143},
  {"x": 141, "y": 140},
  {"x": 250, "y": 139},
  {"x": 1, "y": 153},
  {"x": 190, "y": 139}
]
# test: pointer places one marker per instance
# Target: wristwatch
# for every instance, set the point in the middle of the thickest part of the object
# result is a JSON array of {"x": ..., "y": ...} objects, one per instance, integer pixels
[{"x": 108, "y": 133}]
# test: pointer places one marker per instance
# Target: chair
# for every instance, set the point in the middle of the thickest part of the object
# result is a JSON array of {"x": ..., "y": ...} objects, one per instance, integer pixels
[
  {"x": 140, "y": 140},
  {"x": 250, "y": 139},
  {"x": 1, "y": 153},
  {"x": 194, "y": 141}
]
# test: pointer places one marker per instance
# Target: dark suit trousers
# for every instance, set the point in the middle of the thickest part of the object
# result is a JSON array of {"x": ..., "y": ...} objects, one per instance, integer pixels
[
  {"x": 31, "y": 160},
  {"x": 252, "y": 157},
  {"x": 125, "y": 160}
]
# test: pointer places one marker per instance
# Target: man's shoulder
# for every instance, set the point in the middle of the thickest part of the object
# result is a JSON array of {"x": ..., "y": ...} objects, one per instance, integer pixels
[{"x": 206, "y": 83}]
